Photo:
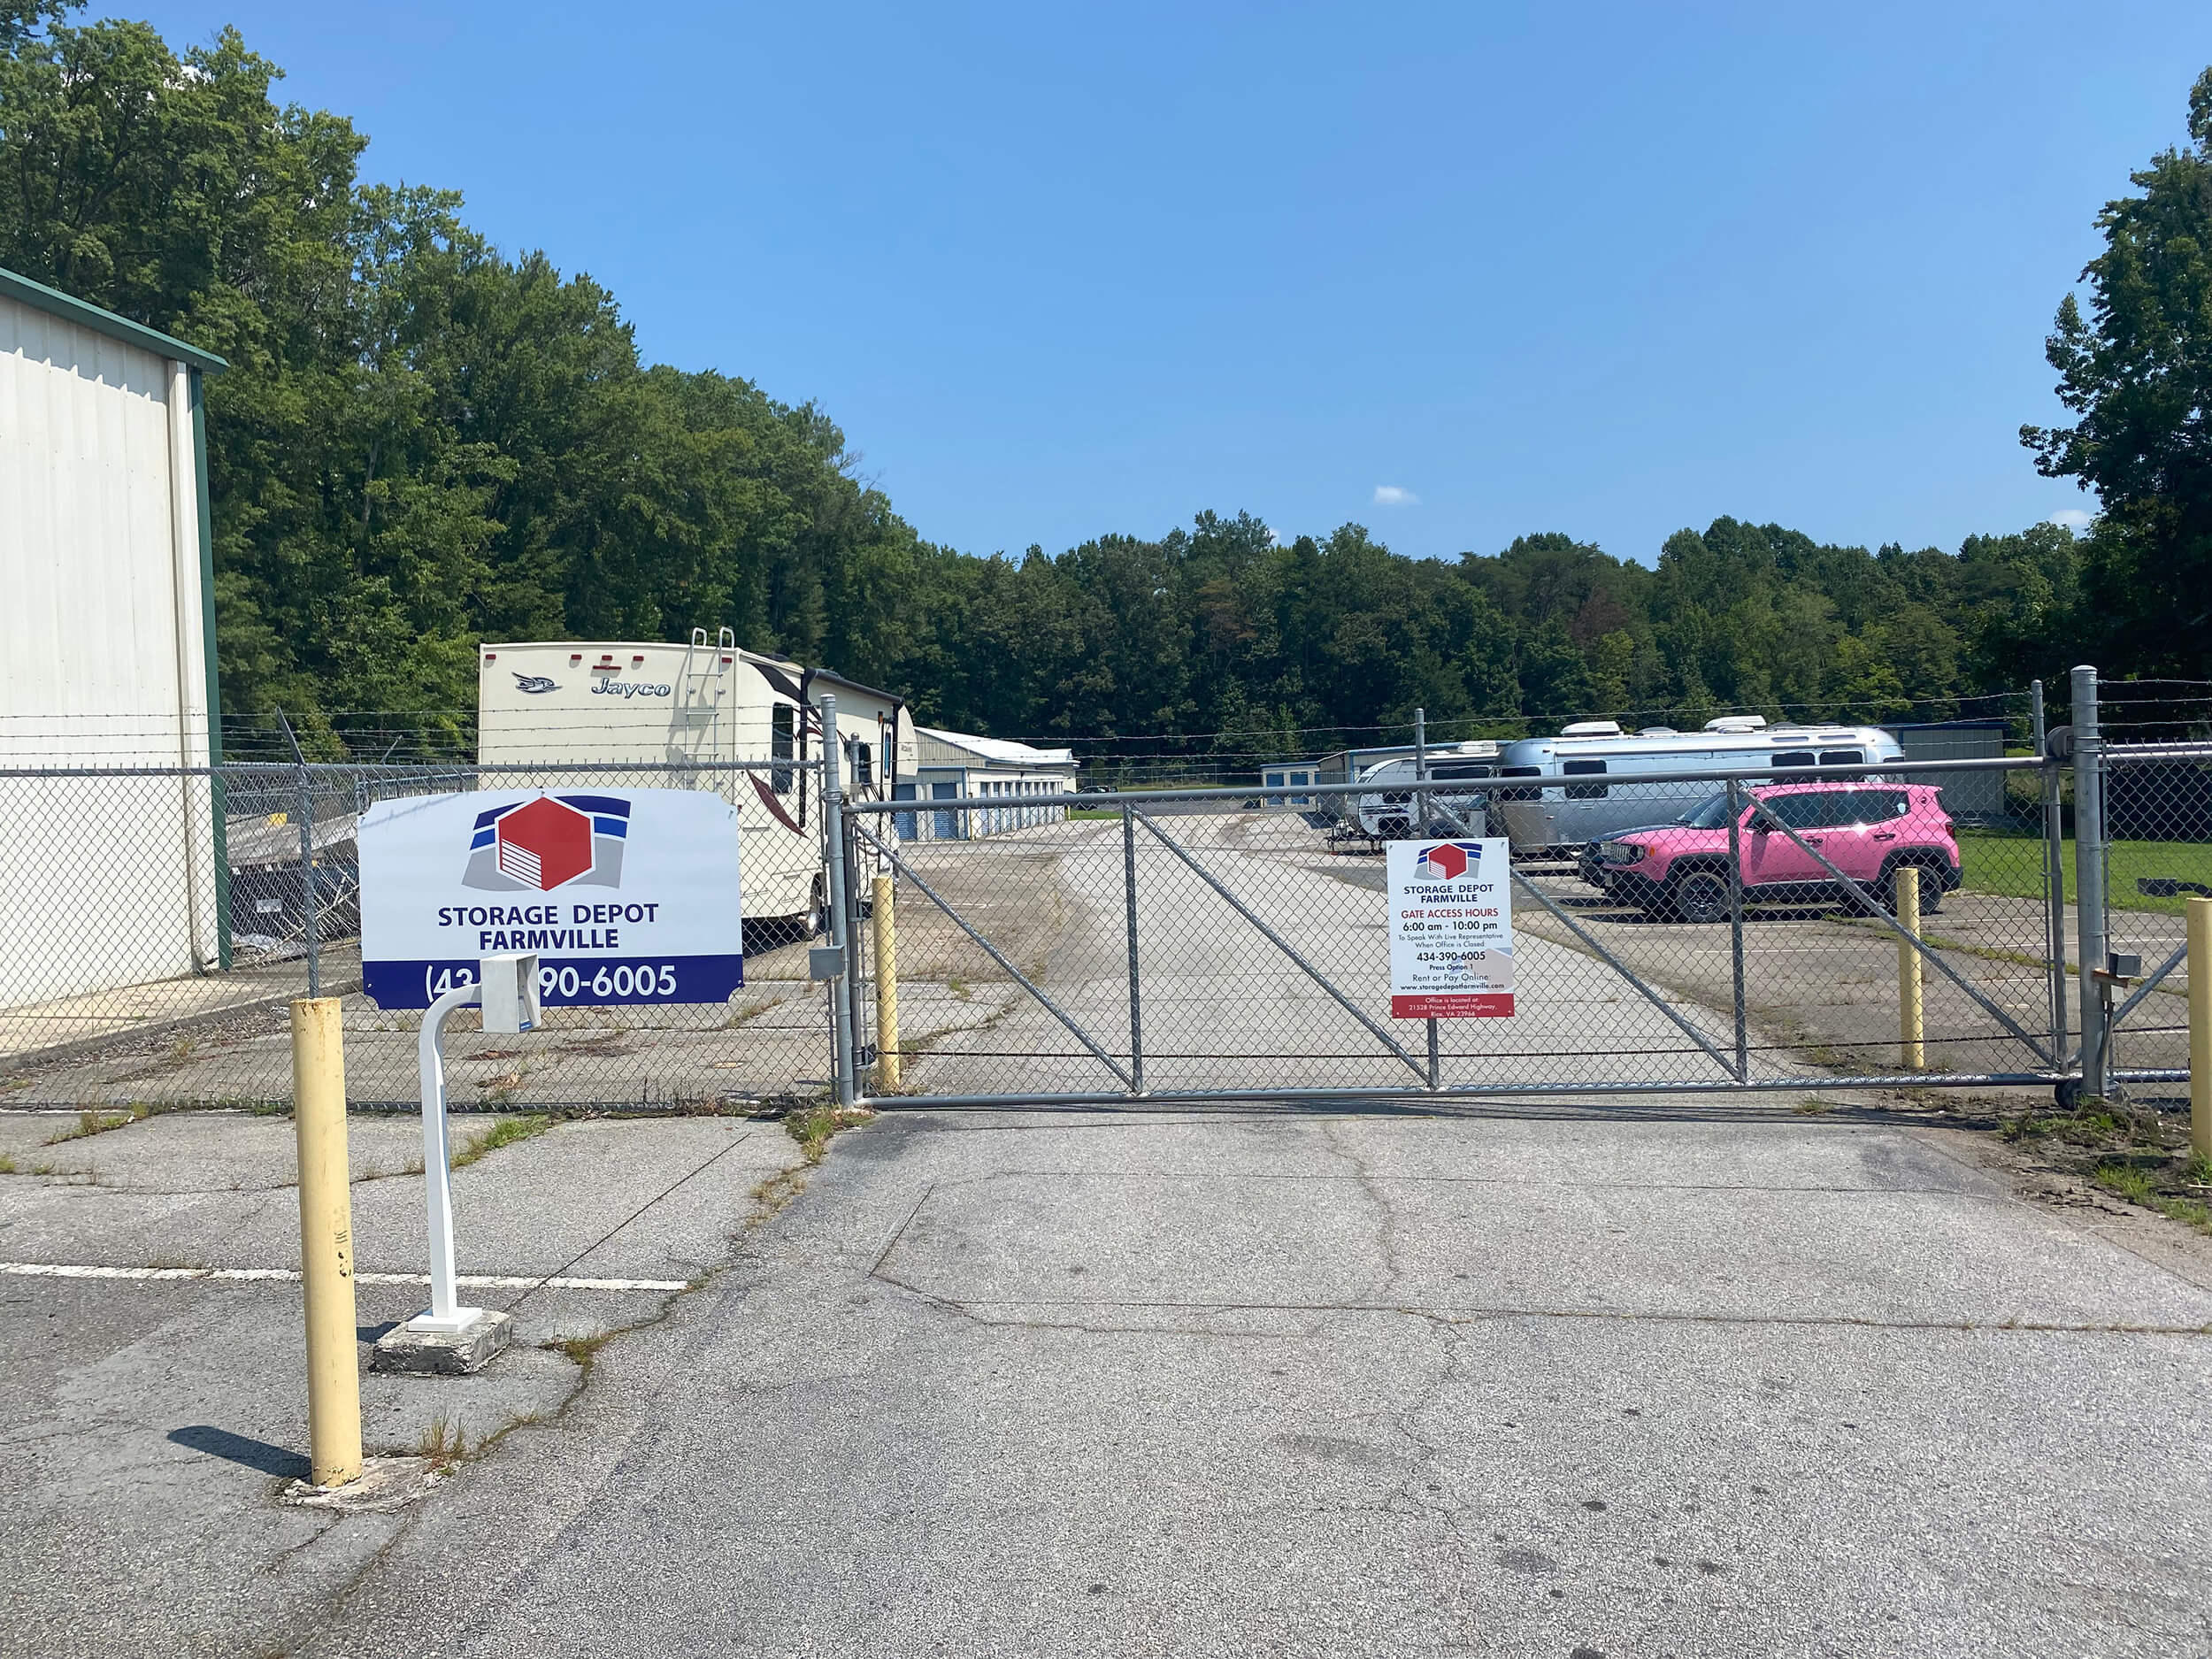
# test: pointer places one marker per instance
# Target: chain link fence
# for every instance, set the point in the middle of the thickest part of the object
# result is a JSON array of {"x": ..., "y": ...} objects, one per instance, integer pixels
[
  {"x": 1684, "y": 932},
  {"x": 166, "y": 918},
  {"x": 1742, "y": 929}
]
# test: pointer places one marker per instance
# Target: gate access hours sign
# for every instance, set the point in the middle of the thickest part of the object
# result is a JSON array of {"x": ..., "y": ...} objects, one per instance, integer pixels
[
  {"x": 628, "y": 897},
  {"x": 1451, "y": 930}
]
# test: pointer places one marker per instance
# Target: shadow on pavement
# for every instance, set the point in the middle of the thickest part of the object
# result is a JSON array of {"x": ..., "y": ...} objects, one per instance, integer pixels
[{"x": 259, "y": 1455}]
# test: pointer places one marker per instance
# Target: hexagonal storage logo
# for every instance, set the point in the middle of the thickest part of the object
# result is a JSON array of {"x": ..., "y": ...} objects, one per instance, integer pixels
[
  {"x": 1446, "y": 861},
  {"x": 552, "y": 841}
]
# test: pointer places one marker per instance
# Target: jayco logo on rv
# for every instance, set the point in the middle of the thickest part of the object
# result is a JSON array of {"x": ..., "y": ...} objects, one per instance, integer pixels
[
  {"x": 631, "y": 688},
  {"x": 555, "y": 841}
]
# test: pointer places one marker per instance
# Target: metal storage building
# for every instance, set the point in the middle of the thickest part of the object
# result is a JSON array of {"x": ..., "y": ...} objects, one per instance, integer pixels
[
  {"x": 1971, "y": 798},
  {"x": 107, "y": 650},
  {"x": 950, "y": 764}
]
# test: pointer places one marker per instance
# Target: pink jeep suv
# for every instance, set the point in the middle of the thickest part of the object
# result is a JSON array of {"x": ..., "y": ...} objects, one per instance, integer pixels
[{"x": 1872, "y": 832}]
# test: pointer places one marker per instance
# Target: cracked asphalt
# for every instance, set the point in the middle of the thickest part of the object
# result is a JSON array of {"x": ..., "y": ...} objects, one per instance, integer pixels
[
  {"x": 145, "y": 1427},
  {"x": 1550, "y": 1381}
]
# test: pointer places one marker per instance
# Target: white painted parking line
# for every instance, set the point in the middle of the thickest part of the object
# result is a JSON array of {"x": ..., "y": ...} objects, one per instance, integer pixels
[{"x": 482, "y": 1281}]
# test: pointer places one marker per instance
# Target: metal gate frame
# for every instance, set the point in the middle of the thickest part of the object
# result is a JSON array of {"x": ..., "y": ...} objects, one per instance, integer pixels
[{"x": 2053, "y": 1066}]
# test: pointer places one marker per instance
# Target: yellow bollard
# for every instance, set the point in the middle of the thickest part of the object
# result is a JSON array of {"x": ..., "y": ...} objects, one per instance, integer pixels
[
  {"x": 318, "y": 1120},
  {"x": 1910, "y": 1028},
  {"x": 887, "y": 951},
  {"x": 2200, "y": 1026}
]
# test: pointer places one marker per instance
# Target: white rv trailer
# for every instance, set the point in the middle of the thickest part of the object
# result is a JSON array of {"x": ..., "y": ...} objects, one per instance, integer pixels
[
  {"x": 628, "y": 703},
  {"x": 1455, "y": 807},
  {"x": 1596, "y": 764},
  {"x": 876, "y": 732}
]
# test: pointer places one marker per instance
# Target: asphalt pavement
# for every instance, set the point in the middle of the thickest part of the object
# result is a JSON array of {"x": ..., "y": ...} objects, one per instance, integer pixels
[{"x": 1692, "y": 1381}]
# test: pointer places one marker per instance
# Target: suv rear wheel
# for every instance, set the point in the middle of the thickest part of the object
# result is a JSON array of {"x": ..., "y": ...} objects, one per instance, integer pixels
[{"x": 1701, "y": 896}]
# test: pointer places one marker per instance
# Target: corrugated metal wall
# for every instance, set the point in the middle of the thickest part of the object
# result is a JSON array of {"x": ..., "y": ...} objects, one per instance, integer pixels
[{"x": 101, "y": 663}]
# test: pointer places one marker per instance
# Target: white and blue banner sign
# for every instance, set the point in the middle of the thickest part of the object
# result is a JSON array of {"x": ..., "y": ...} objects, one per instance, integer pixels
[{"x": 628, "y": 897}]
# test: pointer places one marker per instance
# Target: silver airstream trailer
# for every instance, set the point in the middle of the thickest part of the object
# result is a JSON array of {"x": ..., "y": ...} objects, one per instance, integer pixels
[{"x": 1589, "y": 773}]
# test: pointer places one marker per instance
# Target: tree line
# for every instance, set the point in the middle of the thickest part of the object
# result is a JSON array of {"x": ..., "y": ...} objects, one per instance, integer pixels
[{"x": 423, "y": 442}]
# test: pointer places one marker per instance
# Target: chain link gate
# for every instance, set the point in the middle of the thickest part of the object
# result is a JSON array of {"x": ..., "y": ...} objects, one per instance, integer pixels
[{"x": 1180, "y": 945}]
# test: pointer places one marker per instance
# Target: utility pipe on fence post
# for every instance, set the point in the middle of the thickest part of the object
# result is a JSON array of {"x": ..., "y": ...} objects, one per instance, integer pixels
[
  {"x": 1421, "y": 827},
  {"x": 2054, "y": 867},
  {"x": 887, "y": 939},
  {"x": 1735, "y": 929},
  {"x": 1912, "y": 1054},
  {"x": 2089, "y": 878},
  {"x": 2200, "y": 1027},
  {"x": 833, "y": 835},
  {"x": 1129, "y": 903},
  {"x": 319, "y": 1124}
]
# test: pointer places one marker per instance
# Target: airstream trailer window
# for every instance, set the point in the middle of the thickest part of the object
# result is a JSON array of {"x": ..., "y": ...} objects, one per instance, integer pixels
[
  {"x": 1795, "y": 758},
  {"x": 782, "y": 745},
  {"x": 1842, "y": 757},
  {"x": 1524, "y": 794},
  {"x": 1463, "y": 769},
  {"x": 1584, "y": 769}
]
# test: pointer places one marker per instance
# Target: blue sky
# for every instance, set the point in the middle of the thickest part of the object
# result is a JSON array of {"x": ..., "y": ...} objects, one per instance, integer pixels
[{"x": 1456, "y": 273}]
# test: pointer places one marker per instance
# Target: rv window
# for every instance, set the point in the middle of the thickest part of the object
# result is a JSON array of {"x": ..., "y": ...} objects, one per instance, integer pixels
[
  {"x": 782, "y": 745},
  {"x": 864, "y": 766},
  {"x": 1462, "y": 769},
  {"x": 1842, "y": 757},
  {"x": 1584, "y": 769},
  {"x": 1520, "y": 795},
  {"x": 1794, "y": 758}
]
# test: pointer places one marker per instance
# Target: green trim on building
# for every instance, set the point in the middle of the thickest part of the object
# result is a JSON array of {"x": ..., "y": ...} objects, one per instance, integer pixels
[
  {"x": 86, "y": 315},
  {"x": 216, "y": 793}
]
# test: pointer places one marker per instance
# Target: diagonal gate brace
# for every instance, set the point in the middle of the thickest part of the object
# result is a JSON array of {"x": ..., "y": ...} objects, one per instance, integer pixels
[
  {"x": 999, "y": 956},
  {"x": 1927, "y": 952},
  {"x": 1285, "y": 946},
  {"x": 1630, "y": 974}
]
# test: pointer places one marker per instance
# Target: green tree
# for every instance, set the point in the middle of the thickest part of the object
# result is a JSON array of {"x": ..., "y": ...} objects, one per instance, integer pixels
[{"x": 2137, "y": 371}]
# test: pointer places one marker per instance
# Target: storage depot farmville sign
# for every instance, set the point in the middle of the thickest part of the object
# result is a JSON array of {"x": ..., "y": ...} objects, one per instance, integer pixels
[
  {"x": 629, "y": 897},
  {"x": 1451, "y": 930}
]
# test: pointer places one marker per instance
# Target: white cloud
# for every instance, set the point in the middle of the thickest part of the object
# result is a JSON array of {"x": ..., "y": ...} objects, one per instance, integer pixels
[
  {"x": 2072, "y": 518},
  {"x": 1392, "y": 495}
]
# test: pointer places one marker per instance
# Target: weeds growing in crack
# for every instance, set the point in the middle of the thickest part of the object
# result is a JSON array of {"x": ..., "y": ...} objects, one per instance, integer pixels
[
  {"x": 95, "y": 1123},
  {"x": 814, "y": 1127},
  {"x": 442, "y": 1444},
  {"x": 505, "y": 1133}
]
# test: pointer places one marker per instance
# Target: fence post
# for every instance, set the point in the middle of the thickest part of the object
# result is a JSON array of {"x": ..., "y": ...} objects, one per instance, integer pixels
[
  {"x": 1129, "y": 900},
  {"x": 1735, "y": 928},
  {"x": 319, "y": 1124},
  {"x": 311, "y": 903},
  {"x": 1911, "y": 1053},
  {"x": 2089, "y": 919},
  {"x": 833, "y": 854},
  {"x": 2053, "y": 868},
  {"x": 1420, "y": 771},
  {"x": 2200, "y": 1027},
  {"x": 1421, "y": 827},
  {"x": 888, "y": 1064}
]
